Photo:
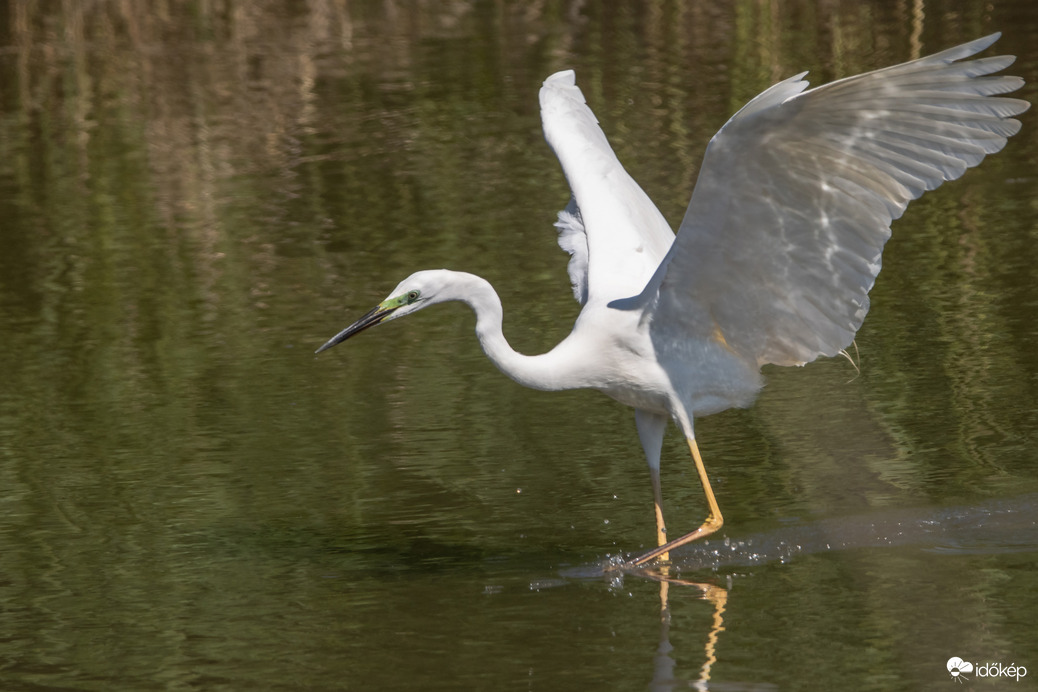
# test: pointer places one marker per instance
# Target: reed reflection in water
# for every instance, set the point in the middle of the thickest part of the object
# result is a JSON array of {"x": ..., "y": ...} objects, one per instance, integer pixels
[{"x": 190, "y": 193}]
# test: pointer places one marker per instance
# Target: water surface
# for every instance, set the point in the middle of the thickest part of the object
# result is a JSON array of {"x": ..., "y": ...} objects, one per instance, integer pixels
[{"x": 194, "y": 197}]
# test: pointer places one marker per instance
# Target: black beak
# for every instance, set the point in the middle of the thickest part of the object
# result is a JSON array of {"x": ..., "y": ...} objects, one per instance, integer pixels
[{"x": 374, "y": 317}]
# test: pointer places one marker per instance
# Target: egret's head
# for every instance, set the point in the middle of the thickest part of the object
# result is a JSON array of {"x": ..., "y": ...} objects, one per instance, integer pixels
[{"x": 412, "y": 294}]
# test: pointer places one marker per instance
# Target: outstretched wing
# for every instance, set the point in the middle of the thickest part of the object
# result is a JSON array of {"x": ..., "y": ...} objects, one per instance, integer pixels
[
  {"x": 614, "y": 233},
  {"x": 782, "y": 239}
]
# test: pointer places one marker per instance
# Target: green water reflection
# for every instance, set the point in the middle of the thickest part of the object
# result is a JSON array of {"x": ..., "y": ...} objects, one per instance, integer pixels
[{"x": 193, "y": 196}]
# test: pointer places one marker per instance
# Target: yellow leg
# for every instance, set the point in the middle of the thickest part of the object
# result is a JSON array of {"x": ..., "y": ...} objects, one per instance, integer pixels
[
  {"x": 713, "y": 522},
  {"x": 661, "y": 527}
]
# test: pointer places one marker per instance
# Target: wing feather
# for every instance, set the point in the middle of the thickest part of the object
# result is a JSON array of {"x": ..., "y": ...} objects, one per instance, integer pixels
[
  {"x": 783, "y": 237},
  {"x": 615, "y": 235},
  {"x": 573, "y": 239}
]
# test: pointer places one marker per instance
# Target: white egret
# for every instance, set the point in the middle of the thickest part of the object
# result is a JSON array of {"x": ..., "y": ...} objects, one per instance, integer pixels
[{"x": 775, "y": 256}]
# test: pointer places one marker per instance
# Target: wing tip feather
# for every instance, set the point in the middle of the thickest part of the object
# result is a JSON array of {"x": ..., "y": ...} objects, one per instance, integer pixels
[{"x": 562, "y": 77}]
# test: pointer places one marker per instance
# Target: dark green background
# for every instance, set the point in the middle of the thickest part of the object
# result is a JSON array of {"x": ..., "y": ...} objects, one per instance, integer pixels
[{"x": 195, "y": 195}]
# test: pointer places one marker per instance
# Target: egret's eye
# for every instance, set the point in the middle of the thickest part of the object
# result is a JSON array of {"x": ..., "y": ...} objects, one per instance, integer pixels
[{"x": 412, "y": 296}]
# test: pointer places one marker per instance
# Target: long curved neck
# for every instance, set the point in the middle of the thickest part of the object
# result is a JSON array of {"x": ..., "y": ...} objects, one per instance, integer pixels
[{"x": 555, "y": 370}]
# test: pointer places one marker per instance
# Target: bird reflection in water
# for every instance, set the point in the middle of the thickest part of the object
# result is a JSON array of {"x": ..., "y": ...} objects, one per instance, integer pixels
[{"x": 664, "y": 664}]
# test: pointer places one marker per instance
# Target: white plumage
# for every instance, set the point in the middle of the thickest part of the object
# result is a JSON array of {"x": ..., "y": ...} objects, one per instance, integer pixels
[{"x": 774, "y": 259}]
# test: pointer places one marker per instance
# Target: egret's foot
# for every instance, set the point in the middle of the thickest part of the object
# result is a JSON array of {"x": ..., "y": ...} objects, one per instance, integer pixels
[
  {"x": 617, "y": 563},
  {"x": 712, "y": 524}
]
